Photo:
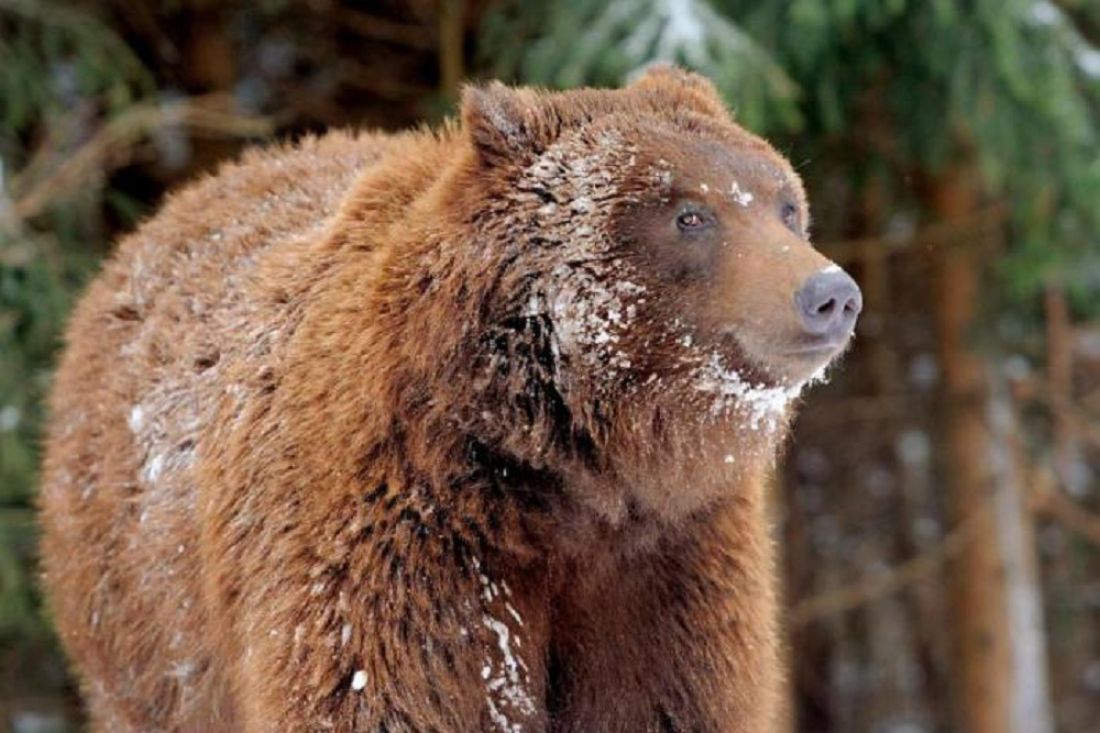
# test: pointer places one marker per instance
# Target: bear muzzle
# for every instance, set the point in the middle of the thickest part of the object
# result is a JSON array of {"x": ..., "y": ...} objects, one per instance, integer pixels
[{"x": 828, "y": 304}]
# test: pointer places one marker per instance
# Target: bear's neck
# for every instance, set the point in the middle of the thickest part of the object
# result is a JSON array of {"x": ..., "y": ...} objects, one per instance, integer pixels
[{"x": 560, "y": 520}]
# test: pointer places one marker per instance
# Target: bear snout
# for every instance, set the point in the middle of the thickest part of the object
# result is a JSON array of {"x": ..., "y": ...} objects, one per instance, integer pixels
[{"x": 828, "y": 304}]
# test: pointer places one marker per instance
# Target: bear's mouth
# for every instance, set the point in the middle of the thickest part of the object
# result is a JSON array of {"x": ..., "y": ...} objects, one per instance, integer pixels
[
  {"x": 779, "y": 362},
  {"x": 827, "y": 351}
]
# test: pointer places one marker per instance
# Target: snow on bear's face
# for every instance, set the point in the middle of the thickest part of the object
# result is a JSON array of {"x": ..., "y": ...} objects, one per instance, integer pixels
[
  {"x": 669, "y": 245},
  {"x": 661, "y": 254}
]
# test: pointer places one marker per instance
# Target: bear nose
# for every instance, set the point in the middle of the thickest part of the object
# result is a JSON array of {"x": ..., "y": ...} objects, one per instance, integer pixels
[{"x": 828, "y": 303}]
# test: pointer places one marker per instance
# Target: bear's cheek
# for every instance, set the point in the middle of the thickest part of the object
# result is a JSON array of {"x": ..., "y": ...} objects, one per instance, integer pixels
[{"x": 593, "y": 313}]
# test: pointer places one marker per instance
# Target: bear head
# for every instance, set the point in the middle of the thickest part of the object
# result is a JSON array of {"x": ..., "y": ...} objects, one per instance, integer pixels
[{"x": 642, "y": 301}]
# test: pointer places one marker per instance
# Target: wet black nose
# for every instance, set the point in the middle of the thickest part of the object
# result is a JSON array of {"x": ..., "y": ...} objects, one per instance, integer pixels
[{"x": 829, "y": 303}]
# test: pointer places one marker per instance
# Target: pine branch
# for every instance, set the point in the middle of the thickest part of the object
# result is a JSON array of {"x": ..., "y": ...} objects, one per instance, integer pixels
[
  {"x": 875, "y": 588},
  {"x": 375, "y": 28},
  {"x": 115, "y": 141},
  {"x": 1054, "y": 503}
]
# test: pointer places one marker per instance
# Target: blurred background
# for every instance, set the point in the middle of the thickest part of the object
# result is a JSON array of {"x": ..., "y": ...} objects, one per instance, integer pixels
[{"x": 938, "y": 506}]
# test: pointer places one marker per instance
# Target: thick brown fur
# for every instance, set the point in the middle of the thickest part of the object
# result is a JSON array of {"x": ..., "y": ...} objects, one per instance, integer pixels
[{"x": 432, "y": 432}]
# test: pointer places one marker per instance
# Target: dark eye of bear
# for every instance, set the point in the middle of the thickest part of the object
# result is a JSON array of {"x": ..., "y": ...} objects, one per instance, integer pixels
[
  {"x": 789, "y": 214},
  {"x": 691, "y": 220}
]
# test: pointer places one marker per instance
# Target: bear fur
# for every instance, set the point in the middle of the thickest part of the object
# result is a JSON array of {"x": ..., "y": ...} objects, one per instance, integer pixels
[{"x": 436, "y": 432}]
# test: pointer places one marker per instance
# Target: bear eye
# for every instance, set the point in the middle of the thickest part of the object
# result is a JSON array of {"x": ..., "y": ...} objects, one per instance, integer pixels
[
  {"x": 691, "y": 220},
  {"x": 789, "y": 214}
]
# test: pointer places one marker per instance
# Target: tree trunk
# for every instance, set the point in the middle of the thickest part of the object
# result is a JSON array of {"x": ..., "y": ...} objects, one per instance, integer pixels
[
  {"x": 994, "y": 594},
  {"x": 1030, "y": 695},
  {"x": 451, "y": 32},
  {"x": 977, "y": 598}
]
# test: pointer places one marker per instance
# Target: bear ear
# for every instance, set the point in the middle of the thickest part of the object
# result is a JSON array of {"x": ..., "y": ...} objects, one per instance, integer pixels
[
  {"x": 499, "y": 121},
  {"x": 682, "y": 86}
]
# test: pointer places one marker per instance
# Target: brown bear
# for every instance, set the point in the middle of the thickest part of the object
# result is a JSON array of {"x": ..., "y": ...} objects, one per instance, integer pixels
[{"x": 444, "y": 431}]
